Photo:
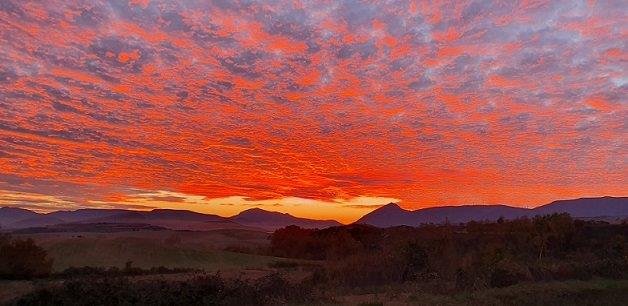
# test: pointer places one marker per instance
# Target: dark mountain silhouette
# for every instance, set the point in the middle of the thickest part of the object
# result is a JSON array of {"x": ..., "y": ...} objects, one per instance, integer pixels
[
  {"x": 37, "y": 221},
  {"x": 389, "y": 215},
  {"x": 393, "y": 215},
  {"x": 173, "y": 219},
  {"x": 169, "y": 218},
  {"x": 466, "y": 213},
  {"x": 183, "y": 215},
  {"x": 85, "y": 214},
  {"x": 587, "y": 207},
  {"x": 605, "y": 208},
  {"x": 89, "y": 228},
  {"x": 159, "y": 214},
  {"x": 270, "y": 220},
  {"x": 253, "y": 219},
  {"x": 9, "y": 215}
]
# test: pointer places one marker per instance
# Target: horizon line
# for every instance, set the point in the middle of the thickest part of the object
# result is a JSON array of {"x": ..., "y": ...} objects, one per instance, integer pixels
[{"x": 150, "y": 209}]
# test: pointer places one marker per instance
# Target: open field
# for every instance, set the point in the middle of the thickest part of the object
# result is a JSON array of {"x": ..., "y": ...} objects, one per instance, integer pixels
[
  {"x": 549, "y": 260},
  {"x": 147, "y": 249},
  {"x": 596, "y": 292},
  {"x": 10, "y": 290}
]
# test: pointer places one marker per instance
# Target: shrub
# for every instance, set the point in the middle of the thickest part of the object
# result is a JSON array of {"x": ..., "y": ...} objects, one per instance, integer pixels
[
  {"x": 501, "y": 277},
  {"x": 22, "y": 259},
  {"x": 283, "y": 264},
  {"x": 115, "y": 271},
  {"x": 203, "y": 290}
]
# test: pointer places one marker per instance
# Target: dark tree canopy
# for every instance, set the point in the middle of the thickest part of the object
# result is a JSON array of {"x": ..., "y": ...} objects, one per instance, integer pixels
[{"x": 22, "y": 259}]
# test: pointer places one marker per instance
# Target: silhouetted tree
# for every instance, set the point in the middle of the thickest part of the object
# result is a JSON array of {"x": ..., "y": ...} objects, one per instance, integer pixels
[{"x": 22, "y": 259}]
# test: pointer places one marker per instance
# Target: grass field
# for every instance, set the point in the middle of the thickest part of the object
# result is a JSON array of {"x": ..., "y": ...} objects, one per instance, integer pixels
[
  {"x": 146, "y": 249},
  {"x": 10, "y": 290},
  {"x": 596, "y": 292},
  {"x": 206, "y": 251}
]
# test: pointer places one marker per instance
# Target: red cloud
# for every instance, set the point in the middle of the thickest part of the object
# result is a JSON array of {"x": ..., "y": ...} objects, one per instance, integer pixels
[{"x": 431, "y": 104}]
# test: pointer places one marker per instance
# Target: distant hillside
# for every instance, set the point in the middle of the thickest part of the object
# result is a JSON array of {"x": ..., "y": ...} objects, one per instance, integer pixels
[
  {"x": 159, "y": 214},
  {"x": 389, "y": 215},
  {"x": 36, "y": 221},
  {"x": 466, "y": 213},
  {"x": 587, "y": 207},
  {"x": 15, "y": 218},
  {"x": 81, "y": 215},
  {"x": 168, "y": 218},
  {"x": 9, "y": 215},
  {"x": 393, "y": 215},
  {"x": 270, "y": 220},
  {"x": 605, "y": 208},
  {"x": 89, "y": 228},
  {"x": 253, "y": 219}
]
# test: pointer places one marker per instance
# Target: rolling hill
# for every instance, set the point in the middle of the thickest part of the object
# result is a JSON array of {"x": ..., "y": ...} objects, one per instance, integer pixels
[
  {"x": 10, "y": 215},
  {"x": 168, "y": 218},
  {"x": 37, "y": 221},
  {"x": 270, "y": 220},
  {"x": 253, "y": 219},
  {"x": 587, "y": 207},
  {"x": 85, "y": 214},
  {"x": 393, "y": 215}
]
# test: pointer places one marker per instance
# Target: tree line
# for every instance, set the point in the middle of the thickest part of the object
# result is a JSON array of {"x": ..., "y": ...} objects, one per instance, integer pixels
[{"x": 473, "y": 255}]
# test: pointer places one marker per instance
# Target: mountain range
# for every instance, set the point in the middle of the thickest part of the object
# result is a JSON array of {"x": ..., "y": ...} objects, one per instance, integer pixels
[
  {"x": 252, "y": 219},
  {"x": 605, "y": 208}
]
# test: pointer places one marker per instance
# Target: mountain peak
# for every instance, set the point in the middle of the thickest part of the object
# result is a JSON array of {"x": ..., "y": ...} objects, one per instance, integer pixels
[
  {"x": 390, "y": 214},
  {"x": 391, "y": 206},
  {"x": 261, "y": 218},
  {"x": 15, "y": 212},
  {"x": 259, "y": 211},
  {"x": 256, "y": 214}
]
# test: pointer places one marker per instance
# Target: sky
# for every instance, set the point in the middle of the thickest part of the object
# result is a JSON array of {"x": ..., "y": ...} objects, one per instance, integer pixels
[{"x": 323, "y": 109}]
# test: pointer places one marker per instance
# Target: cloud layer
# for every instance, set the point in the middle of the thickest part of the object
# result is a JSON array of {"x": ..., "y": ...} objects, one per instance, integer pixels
[{"x": 431, "y": 103}]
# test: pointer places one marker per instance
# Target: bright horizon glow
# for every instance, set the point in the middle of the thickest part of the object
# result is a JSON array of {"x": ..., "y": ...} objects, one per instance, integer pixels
[
  {"x": 345, "y": 211},
  {"x": 342, "y": 210}
]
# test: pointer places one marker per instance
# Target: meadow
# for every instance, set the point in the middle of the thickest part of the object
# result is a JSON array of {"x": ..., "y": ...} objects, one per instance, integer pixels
[
  {"x": 147, "y": 249},
  {"x": 550, "y": 260}
]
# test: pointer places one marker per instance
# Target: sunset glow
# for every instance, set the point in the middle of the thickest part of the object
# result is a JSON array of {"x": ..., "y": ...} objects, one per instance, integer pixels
[{"x": 322, "y": 109}]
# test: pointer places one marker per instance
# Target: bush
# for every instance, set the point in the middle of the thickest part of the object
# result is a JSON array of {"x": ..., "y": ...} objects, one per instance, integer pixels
[
  {"x": 283, "y": 264},
  {"x": 501, "y": 277},
  {"x": 396, "y": 264},
  {"x": 203, "y": 290},
  {"x": 22, "y": 259},
  {"x": 115, "y": 271}
]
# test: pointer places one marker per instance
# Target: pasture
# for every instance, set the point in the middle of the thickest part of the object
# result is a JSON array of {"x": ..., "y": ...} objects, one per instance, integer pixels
[{"x": 147, "y": 249}]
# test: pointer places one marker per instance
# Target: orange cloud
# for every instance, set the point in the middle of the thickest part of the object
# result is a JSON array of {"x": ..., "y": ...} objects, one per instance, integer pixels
[{"x": 426, "y": 103}]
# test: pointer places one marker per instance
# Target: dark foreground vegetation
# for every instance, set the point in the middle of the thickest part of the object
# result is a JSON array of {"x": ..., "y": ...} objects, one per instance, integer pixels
[
  {"x": 465, "y": 257},
  {"x": 551, "y": 260},
  {"x": 202, "y": 290},
  {"x": 22, "y": 259}
]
